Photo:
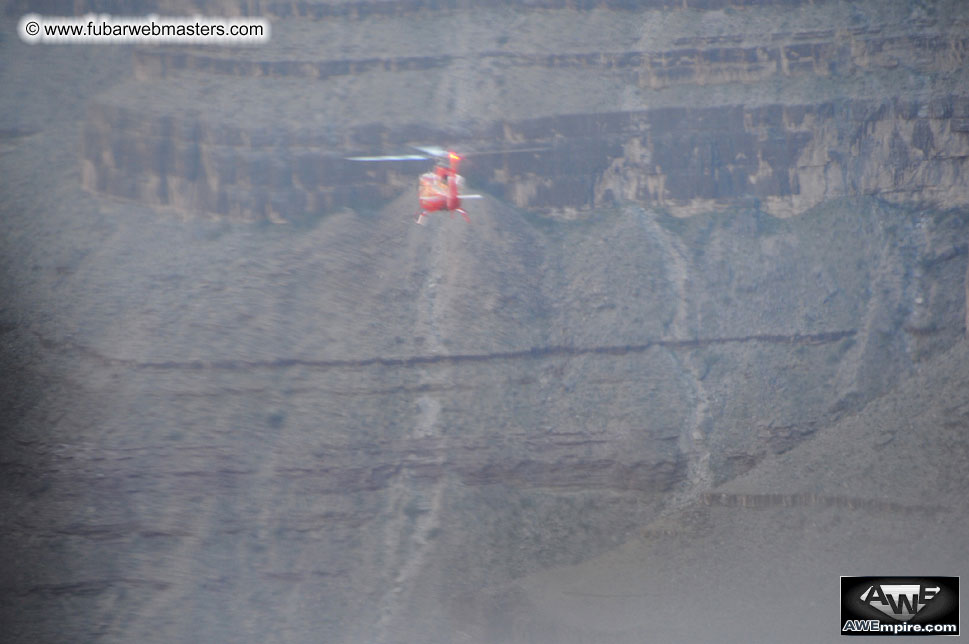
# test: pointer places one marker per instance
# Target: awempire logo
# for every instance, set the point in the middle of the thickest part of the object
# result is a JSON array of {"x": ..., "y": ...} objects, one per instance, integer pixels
[{"x": 899, "y": 605}]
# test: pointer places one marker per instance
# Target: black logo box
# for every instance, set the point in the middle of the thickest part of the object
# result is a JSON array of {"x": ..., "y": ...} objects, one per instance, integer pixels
[{"x": 942, "y": 608}]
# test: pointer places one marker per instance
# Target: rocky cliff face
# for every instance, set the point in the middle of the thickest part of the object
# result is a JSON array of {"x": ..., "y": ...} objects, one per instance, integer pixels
[
  {"x": 354, "y": 429},
  {"x": 392, "y": 417},
  {"x": 687, "y": 110}
]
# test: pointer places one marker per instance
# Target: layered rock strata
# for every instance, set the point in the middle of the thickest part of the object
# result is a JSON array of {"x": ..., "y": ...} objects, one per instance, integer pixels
[{"x": 713, "y": 113}]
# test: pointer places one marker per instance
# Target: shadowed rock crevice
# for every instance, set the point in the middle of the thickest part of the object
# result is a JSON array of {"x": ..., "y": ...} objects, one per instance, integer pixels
[{"x": 536, "y": 353}]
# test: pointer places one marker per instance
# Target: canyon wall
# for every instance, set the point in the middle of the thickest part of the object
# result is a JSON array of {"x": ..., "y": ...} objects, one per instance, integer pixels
[
  {"x": 715, "y": 240},
  {"x": 685, "y": 120}
]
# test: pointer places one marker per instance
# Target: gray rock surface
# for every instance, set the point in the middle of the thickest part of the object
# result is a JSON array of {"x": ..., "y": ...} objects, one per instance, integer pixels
[
  {"x": 579, "y": 424},
  {"x": 778, "y": 106}
]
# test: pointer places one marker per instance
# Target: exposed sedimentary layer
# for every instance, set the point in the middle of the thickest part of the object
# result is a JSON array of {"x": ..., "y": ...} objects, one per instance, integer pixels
[
  {"x": 683, "y": 109},
  {"x": 355, "y": 429}
]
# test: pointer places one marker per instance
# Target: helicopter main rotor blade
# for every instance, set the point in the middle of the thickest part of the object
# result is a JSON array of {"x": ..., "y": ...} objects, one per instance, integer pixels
[
  {"x": 432, "y": 150},
  {"x": 471, "y": 196},
  {"x": 482, "y": 153},
  {"x": 437, "y": 151},
  {"x": 402, "y": 157}
]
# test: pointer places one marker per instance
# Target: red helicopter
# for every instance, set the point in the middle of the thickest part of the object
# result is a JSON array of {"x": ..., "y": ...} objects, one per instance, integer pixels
[{"x": 438, "y": 189}]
